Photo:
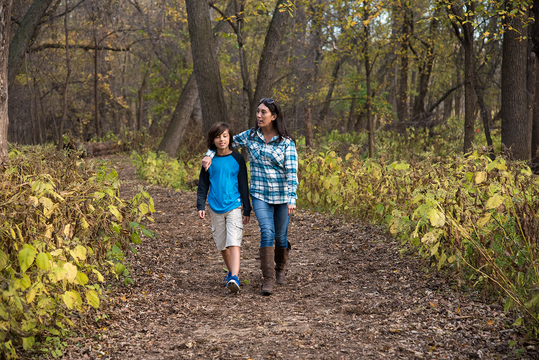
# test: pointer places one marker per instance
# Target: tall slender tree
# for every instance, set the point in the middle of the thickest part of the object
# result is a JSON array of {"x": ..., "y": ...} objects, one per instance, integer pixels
[
  {"x": 5, "y": 26},
  {"x": 206, "y": 66}
]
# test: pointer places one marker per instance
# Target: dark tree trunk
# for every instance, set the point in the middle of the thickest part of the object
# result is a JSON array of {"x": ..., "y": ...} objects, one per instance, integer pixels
[
  {"x": 535, "y": 125},
  {"x": 24, "y": 35},
  {"x": 516, "y": 127},
  {"x": 68, "y": 74},
  {"x": 531, "y": 77},
  {"x": 467, "y": 40},
  {"x": 370, "y": 124},
  {"x": 5, "y": 24},
  {"x": 534, "y": 34},
  {"x": 180, "y": 118},
  {"x": 355, "y": 98},
  {"x": 334, "y": 77},
  {"x": 402, "y": 97},
  {"x": 424, "y": 75},
  {"x": 270, "y": 55},
  {"x": 186, "y": 103},
  {"x": 96, "y": 93},
  {"x": 308, "y": 127},
  {"x": 206, "y": 66},
  {"x": 141, "y": 90}
]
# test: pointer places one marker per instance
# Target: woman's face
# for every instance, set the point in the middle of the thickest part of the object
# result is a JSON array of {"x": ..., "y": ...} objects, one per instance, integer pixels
[
  {"x": 222, "y": 141},
  {"x": 264, "y": 117}
]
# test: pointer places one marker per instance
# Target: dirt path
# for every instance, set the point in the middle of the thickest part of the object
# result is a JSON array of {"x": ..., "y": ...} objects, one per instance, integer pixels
[{"x": 350, "y": 296}]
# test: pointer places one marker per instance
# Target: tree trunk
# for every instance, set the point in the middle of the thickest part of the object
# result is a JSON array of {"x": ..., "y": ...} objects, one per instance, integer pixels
[
  {"x": 68, "y": 74},
  {"x": 31, "y": 94},
  {"x": 180, "y": 118},
  {"x": 469, "y": 92},
  {"x": 308, "y": 127},
  {"x": 5, "y": 24},
  {"x": 96, "y": 98},
  {"x": 370, "y": 124},
  {"x": 355, "y": 98},
  {"x": 206, "y": 66},
  {"x": 24, "y": 35},
  {"x": 334, "y": 77},
  {"x": 402, "y": 97},
  {"x": 141, "y": 90},
  {"x": 186, "y": 103},
  {"x": 247, "y": 95},
  {"x": 535, "y": 125},
  {"x": 425, "y": 72},
  {"x": 270, "y": 54},
  {"x": 516, "y": 127}
]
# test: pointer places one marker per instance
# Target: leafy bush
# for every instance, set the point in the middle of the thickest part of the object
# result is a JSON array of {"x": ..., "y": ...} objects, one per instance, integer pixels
[
  {"x": 161, "y": 170},
  {"x": 63, "y": 230},
  {"x": 456, "y": 211}
]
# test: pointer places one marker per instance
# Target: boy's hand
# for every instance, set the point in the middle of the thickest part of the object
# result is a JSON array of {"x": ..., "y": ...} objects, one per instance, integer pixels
[
  {"x": 202, "y": 214},
  {"x": 206, "y": 162},
  {"x": 246, "y": 220}
]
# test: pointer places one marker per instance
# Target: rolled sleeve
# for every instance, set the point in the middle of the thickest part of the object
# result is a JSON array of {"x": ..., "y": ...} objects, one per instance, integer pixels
[{"x": 240, "y": 141}]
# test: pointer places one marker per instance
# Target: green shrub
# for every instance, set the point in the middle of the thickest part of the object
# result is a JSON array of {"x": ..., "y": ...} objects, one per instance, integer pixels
[
  {"x": 455, "y": 210},
  {"x": 160, "y": 169},
  {"x": 63, "y": 231}
]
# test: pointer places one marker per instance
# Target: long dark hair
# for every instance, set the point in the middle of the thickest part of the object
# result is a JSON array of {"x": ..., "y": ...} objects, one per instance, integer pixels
[{"x": 278, "y": 123}]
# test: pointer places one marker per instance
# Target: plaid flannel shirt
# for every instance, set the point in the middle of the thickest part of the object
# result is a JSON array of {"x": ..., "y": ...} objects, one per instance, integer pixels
[{"x": 274, "y": 167}]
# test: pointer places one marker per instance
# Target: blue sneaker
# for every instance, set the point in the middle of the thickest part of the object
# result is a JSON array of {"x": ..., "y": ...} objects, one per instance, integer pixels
[
  {"x": 233, "y": 284},
  {"x": 227, "y": 277}
]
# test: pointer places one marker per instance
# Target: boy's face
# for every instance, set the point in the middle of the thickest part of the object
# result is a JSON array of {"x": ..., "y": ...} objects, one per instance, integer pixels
[{"x": 222, "y": 141}]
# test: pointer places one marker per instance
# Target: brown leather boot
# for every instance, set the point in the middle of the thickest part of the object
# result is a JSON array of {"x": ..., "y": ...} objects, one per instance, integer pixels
[
  {"x": 268, "y": 269},
  {"x": 281, "y": 258}
]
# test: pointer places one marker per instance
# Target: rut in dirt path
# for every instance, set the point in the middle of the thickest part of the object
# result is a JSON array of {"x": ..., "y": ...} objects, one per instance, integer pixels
[{"x": 350, "y": 296}]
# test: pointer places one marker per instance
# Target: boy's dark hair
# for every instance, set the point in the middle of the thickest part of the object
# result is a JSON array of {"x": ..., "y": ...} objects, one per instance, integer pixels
[{"x": 216, "y": 130}]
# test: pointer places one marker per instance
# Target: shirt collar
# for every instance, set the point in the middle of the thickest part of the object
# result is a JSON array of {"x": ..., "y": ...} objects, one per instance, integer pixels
[{"x": 261, "y": 136}]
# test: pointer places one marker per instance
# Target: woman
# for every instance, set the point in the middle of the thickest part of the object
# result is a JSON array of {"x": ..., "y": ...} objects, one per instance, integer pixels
[{"x": 274, "y": 165}]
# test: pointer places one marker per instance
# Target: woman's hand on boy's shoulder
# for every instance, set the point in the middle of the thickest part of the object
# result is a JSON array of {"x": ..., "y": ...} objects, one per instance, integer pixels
[
  {"x": 206, "y": 162},
  {"x": 246, "y": 220},
  {"x": 202, "y": 214}
]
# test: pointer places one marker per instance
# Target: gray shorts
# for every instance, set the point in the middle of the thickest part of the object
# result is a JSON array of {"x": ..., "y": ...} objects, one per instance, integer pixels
[{"x": 227, "y": 228}]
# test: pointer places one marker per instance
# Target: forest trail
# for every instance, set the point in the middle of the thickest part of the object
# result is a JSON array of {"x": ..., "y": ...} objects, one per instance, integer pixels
[{"x": 350, "y": 296}]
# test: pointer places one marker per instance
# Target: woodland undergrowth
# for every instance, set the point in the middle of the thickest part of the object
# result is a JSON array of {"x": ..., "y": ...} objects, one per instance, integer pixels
[
  {"x": 473, "y": 214},
  {"x": 64, "y": 234}
]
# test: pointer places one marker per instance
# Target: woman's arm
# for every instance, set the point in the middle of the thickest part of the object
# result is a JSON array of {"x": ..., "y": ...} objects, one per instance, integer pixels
[{"x": 291, "y": 166}]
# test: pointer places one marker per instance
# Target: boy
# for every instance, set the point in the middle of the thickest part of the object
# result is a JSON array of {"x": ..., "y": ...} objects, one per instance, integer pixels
[{"x": 228, "y": 190}]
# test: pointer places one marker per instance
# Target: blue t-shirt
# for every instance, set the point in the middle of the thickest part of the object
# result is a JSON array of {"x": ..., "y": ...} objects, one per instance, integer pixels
[{"x": 227, "y": 182}]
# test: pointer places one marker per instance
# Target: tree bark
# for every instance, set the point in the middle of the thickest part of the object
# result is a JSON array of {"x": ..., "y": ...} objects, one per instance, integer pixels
[
  {"x": 370, "y": 124},
  {"x": 24, "y": 35},
  {"x": 308, "y": 127},
  {"x": 186, "y": 103},
  {"x": 141, "y": 90},
  {"x": 68, "y": 74},
  {"x": 334, "y": 77},
  {"x": 535, "y": 124},
  {"x": 424, "y": 74},
  {"x": 516, "y": 127},
  {"x": 269, "y": 57},
  {"x": 402, "y": 97},
  {"x": 5, "y": 24},
  {"x": 96, "y": 92},
  {"x": 206, "y": 66},
  {"x": 465, "y": 20}
]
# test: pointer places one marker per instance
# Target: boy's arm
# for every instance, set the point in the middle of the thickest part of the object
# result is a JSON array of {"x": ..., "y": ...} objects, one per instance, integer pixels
[
  {"x": 203, "y": 187},
  {"x": 243, "y": 186}
]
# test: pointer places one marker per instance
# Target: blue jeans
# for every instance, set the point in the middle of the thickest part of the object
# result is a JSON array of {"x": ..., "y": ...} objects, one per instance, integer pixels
[{"x": 273, "y": 221}]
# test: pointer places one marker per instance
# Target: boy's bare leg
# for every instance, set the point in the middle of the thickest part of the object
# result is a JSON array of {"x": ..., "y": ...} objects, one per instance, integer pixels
[
  {"x": 226, "y": 258},
  {"x": 234, "y": 260}
]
